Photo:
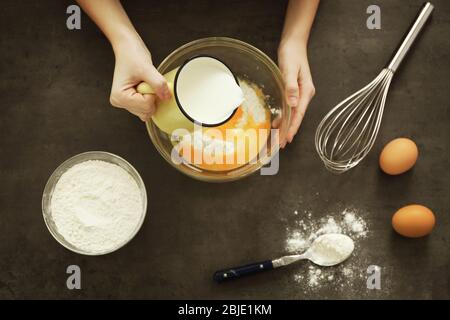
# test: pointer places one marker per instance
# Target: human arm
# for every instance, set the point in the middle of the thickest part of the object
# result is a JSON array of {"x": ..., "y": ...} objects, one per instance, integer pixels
[
  {"x": 293, "y": 61},
  {"x": 133, "y": 60}
]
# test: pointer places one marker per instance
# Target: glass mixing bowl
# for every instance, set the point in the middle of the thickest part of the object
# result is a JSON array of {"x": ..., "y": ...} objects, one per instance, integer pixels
[
  {"x": 79, "y": 158},
  {"x": 247, "y": 63}
]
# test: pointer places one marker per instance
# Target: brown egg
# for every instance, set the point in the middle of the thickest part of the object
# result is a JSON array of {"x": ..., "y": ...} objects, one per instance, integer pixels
[
  {"x": 398, "y": 156},
  {"x": 413, "y": 221}
]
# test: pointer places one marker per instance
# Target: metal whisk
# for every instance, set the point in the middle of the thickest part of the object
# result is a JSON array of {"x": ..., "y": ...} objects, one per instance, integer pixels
[{"x": 348, "y": 132}]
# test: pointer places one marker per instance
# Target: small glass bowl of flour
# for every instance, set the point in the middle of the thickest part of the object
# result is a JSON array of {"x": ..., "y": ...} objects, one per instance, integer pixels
[{"x": 94, "y": 203}]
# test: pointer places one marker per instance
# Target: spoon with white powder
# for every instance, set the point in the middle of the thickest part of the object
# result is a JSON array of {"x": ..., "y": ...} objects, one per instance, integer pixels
[{"x": 326, "y": 251}]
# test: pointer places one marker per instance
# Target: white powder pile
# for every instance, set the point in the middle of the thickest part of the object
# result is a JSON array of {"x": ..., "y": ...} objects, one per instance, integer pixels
[
  {"x": 96, "y": 206},
  {"x": 330, "y": 249},
  {"x": 314, "y": 276},
  {"x": 253, "y": 105},
  {"x": 306, "y": 230},
  {"x": 210, "y": 146}
]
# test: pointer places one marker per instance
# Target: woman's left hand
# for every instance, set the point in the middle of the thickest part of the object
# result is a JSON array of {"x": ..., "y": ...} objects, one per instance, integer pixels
[{"x": 299, "y": 87}]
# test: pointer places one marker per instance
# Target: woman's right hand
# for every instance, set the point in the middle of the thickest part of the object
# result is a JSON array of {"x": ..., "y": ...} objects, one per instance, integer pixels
[{"x": 134, "y": 65}]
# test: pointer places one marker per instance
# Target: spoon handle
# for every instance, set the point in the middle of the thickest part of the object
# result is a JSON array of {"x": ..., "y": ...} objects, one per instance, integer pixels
[{"x": 237, "y": 272}]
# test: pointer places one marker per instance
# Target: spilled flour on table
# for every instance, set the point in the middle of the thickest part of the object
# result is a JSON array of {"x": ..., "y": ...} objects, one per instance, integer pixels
[{"x": 306, "y": 230}]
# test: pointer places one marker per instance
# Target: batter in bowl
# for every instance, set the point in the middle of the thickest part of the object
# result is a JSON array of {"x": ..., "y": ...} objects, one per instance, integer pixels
[{"x": 236, "y": 142}]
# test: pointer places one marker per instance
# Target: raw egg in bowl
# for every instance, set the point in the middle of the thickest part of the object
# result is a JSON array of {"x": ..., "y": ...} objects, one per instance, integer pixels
[{"x": 249, "y": 140}]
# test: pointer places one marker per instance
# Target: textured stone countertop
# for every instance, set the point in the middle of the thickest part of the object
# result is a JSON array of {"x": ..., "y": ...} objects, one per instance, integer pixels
[{"x": 54, "y": 90}]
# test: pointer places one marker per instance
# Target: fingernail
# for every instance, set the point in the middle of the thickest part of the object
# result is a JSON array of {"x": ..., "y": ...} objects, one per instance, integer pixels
[{"x": 293, "y": 101}]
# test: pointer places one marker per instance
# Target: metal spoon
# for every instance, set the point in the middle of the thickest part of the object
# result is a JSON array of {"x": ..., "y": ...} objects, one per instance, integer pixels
[{"x": 316, "y": 254}]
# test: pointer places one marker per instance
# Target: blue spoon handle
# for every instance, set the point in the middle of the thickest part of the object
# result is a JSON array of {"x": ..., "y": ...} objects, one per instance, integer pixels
[{"x": 237, "y": 272}]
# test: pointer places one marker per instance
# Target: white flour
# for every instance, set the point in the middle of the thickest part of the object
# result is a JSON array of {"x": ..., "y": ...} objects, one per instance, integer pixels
[
  {"x": 96, "y": 206},
  {"x": 253, "y": 105},
  {"x": 308, "y": 229},
  {"x": 306, "y": 232},
  {"x": 331, "y": 249}
]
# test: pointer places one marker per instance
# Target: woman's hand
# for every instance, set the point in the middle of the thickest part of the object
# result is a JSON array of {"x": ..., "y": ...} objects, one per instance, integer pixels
[
  {"x": 293, "y": 61},
  {"x": 134, "y": 65},
  {"x": 299, "y": 87},
  {"x": 133, "y": 60}
]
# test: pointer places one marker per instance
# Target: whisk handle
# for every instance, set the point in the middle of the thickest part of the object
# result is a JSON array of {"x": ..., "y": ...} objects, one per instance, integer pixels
[{"x": 409, "y": 38}]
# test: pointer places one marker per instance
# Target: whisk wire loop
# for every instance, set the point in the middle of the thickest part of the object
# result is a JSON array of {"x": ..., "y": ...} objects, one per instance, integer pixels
[{"x": 348, "y": 131}]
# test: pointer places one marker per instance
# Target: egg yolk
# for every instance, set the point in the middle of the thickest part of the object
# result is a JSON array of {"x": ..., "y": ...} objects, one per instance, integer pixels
[{"x": 232, "y": 144}]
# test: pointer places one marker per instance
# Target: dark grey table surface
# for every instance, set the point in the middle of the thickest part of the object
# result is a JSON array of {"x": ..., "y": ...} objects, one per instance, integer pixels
[{"x": 54, "y": 90}]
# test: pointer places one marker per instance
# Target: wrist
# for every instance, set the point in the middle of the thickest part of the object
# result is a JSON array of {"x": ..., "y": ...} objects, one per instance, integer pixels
[
  {"x": 297, "y": 44},
  {"x": 124, "y": 38}
]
